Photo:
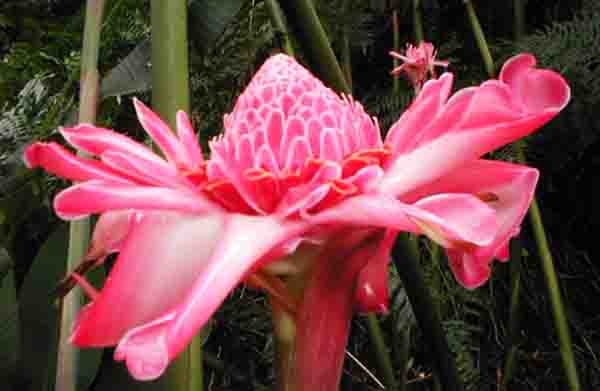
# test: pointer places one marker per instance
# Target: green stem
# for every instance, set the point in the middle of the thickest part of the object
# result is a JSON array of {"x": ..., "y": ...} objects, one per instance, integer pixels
[
  {"x": 170, "y": 93},
  {"x": 560, "y": 320},
  {"x": 302, "y": 16},
  {"x": 403, "y": 356},
  {"x": 418, "y": 21},
  {"x": 381, "y": 352},
  {"x": 68, "y": 355},
  {"x": 170, "y": 75},
  {"x": 278, "y": 22},
  {"x": 514, "y": 316},
  {"x": 396, "y": 26},
  {"x": 406, "y": 259},
  {"x": 480, "y": 38},
  {"x": 519, "y": 14}
]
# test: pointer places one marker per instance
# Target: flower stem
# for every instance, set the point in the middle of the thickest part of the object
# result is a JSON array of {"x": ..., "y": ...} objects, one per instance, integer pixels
[
  {"x": 406, "y": 259},
  {"x": 79, "y": 235},
  {"x": 170, "y": 92},
  {"x": 278, "y": 22},
  {"x": 302, "y": 16},
  {"x": 514, "y": 318},
  {"x": 560, "y": 320},
  {"x": 381, "y": 352},
  {"x": 418, "y": 21},
  {"x": 480, "y": 38}
]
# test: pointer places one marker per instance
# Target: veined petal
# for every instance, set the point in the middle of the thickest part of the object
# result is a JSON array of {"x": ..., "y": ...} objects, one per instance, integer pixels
[
  {"x": 57, "y": 160},
  {"x": 508, "y": 189},
  {"x": 147, "y": 349},
  {"x": 474, "y": 122},
  {"x": 92, "y": 197},
  {"x": 448, "y": 219}
]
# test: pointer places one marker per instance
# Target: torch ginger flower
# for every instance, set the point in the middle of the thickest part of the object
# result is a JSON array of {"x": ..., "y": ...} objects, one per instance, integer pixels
[
  {"x": 419, "y": 63},
  {"x": 296, "y": 163}
]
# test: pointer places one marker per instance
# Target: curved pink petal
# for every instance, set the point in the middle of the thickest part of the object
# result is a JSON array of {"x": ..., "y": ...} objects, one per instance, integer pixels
[
  {"x": 324, "y": 317},
  {"x": 508, "y": 189},
  {"x": 188, "y": 138},
  {"x": 448, "y": 219},
  {"x": 160, "y": 132},
  {"x": 92, "y": 197},
  {"x": 96, "y": 141},
  {"x": 372, "y": 291},
  {"x": 57, "y": 160},
  {"x": 148, "y": 348},
  {"x": 474, "y": 122},
  {"x": 161, "y": 258},
  {"x": 145, "y": 172}
]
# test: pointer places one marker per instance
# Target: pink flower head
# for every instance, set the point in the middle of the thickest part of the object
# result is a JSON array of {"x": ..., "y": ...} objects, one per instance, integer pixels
[
  {"x": 297, "y": 163},
  {"x": 419, "y": 63}
]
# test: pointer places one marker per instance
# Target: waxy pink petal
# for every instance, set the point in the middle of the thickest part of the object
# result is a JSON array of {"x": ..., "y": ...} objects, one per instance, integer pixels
[
  {"x": 59, "y": 161},
  {"x": 97, "y": 197},
  {"x": 148, "y": 348},
  {"x": 509, "y": 189},
  {"x": 471, "y": 123}
]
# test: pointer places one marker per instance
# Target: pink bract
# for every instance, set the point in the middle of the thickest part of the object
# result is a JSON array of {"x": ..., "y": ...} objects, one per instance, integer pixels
[{"x": 297, "y": 163}]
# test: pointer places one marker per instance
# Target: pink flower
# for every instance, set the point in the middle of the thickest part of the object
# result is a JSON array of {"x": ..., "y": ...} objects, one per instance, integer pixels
[
  {"x": 297, "y": 164},
  {"x": 419, "y": 63}
]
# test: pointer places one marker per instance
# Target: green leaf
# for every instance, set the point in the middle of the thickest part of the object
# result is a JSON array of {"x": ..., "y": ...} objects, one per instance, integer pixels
[
  {"x": 9, "y": 321},
  {"x": 131, "y": 75},
  {"x": 39, "y": 312},
  {"x": 207, "y": 20}
]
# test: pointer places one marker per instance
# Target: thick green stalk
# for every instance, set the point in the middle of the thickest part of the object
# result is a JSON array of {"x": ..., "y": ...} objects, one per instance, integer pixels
[
  {"x": 302, "y": 16},
  {"x": 560, "y": 320},
  {"x": 480, "y": 38},
  {"x": 68, "y": 356},
  {"x": 519, "y": 14},
  {"x": 170, "y": 75},
  {"x": 406, "y": 259},
  {"x": 396, "y": 26},
  {"x": 381, "y": 352},
  {"x": 418, "y": 21},
  {"x": 170, "y": 92},
  {"x": 278, "y": 22}
]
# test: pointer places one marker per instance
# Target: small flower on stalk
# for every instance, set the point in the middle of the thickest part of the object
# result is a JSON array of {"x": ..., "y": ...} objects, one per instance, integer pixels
[
  {"x": 297, "y": 164},
  {"x": 419, "y": 64}
]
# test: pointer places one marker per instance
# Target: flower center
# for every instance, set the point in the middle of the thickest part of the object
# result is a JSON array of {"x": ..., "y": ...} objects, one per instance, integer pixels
[{"x": 319, "y": 183}]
